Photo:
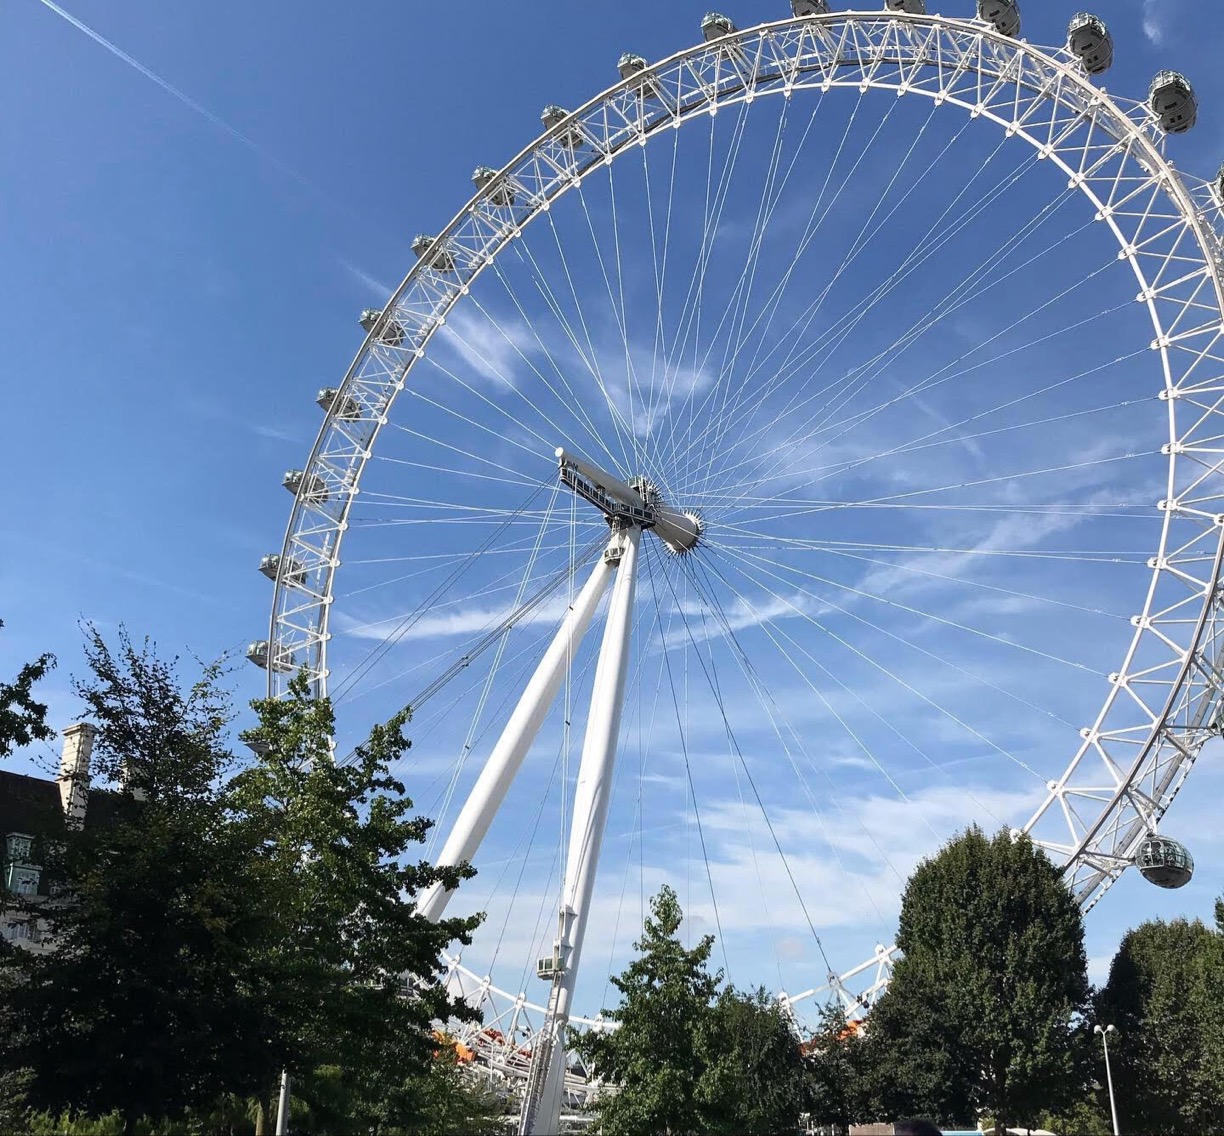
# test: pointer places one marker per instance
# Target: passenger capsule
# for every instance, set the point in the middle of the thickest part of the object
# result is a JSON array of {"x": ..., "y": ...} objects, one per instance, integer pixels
[
  {"x": 1004, "y": 15},
  {"x": 1164, "y": 862},
  {"x": 715, "y": 25},
  {"x": 552, "y": 116},
  {"x": 260, "y": 653},
  {"x": 329, "y": 399},
  {"x": 913, "y": 7},
  {"x": 802, "y": 8},
  {"x": 1172, "y": 101},
  {"x": 308, "y": 487},
  {"x": 439, "y": 259},
  {"x": 270, "y": 566},
  {"x": 1089, "y": 38},
  {"x": 500, "y": 194},
  {"x": 1218, "y": 186},
  {"x": 391, "y": 333},
  {"x": 629, "y": 65}
]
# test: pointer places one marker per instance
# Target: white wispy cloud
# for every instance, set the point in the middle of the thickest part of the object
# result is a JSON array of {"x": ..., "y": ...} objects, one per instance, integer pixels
[
  {"x": 376, "y": 287},
  {"x": 448, "y": 620},
  {"x": 1153, "y": 26},
  {"x": 494, "y": 351}
]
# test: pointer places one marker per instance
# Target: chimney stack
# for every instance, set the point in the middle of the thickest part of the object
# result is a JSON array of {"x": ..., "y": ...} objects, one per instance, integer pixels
[{"x": 73, "y": 777}]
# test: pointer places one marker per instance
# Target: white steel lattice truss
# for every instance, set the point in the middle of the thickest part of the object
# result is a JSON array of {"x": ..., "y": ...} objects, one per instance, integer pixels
[{"x": 1163, "y": 701}]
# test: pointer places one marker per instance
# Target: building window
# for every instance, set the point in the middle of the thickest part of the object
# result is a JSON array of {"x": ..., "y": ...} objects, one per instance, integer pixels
[
  {"x": 19, "y": 848},
  {"x": 21, "y": 881}
]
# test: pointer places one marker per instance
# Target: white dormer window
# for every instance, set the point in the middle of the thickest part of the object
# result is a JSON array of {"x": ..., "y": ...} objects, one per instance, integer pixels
[{"x": 19, "y": 848}]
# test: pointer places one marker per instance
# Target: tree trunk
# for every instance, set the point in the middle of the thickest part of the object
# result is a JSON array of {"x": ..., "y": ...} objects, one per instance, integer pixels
[{"x": 261, "y": 1119}]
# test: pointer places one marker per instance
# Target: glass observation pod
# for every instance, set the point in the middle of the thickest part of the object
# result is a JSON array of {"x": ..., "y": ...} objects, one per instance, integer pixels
[
  {"x": 802, "y": 8},
  {"x": 391, "y": 332},
  {"x": 1218, "y": 186},
  {"x": 1172, "y": 101},
  {"x": 552, "y": 116},
  {"x": 300, "y": 485},
  {"x": 1003, "y": 15},
  {"x": 439, "y": 259},
  {"x": 500, "y": 194},
  {"x": 1164, "y": 862},
  {"x": 329, "y": 399},
  {"x": 1089, "y": 39},
  {"x": 715, "y": 25},
  {"x": 259, "y": 653},
  {"x": 630, "y": 65},
  {"x": 911, "y": 7},
  {"x": 270, "y": 566}
]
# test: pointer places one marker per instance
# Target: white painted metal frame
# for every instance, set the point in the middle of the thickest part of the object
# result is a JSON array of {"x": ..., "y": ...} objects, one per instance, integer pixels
[{"x": 1163, "y": 701}]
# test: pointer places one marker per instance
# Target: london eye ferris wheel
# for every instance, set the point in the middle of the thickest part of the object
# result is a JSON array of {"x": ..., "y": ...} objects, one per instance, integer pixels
[{"x": 761, "y": 467}]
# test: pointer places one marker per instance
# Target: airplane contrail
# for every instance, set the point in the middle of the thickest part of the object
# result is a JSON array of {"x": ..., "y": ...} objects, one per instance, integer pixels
[
  {"x": 191, "y": 103},
  {"x": 166, "y": 86}
]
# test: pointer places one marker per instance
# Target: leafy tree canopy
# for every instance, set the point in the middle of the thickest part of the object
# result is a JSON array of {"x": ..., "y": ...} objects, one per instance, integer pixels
[
  {"x": 23, "y": 719},
  {"x": 653, "y": 1059},
  {"x": 689, "y": 1057},
  {"x": 212, "y": 929},
  {"x": 1165, "y": 995},
  {"x": 984, "y": 1011}
]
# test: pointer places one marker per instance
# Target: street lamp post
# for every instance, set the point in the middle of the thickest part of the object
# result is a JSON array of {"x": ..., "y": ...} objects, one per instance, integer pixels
[{"x": 1113, "y": 1108}]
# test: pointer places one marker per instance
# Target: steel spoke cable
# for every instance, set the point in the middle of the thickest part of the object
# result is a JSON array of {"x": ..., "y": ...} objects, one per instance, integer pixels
[
  {"x": 861, "y": 240},
  {"x": 489, "y": 639},
  {"x": 688, "y": 769},
  {"x": 498, "y": 651},
  {"x": 773, "y": 304},
  {"x": 689, "y": 323},
  {"x": 856, "y": 379},
  {"x": 762, "y": 563},
  {"x": 690, "y": 440},
  {"x": 618, "y": 317},
  {"x": 1089, "y": 463},
  {"x": 945, "y": 435},
  {"x": 588, "y": 354},
  {"x": 896, "y": 678},
  {"x": 974, "y": 676},
  {"x": 715, "y": 200},
  {"x": 772, "y": 710},
  {"x": 843, "y": 426},
  {"x": 710, "y": 676},
  {"x": 377, "y": 653},
  {"x": 569, "y": 401},
  {"x": 916, "y": 257}
]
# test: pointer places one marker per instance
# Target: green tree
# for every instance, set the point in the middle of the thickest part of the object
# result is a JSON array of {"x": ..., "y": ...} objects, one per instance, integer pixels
[
  {"x": 130, "y": 1012},
  {"x": 337, "y": 890},
  {"x": 23, "y": 719},
  {"x": 834, "y": 1072},
  {"x": 984, "y": 1011},
  {"x": 753, "y": 1075},
  {"x": 1165, "y": 995},
  {"x": 654, "y": 1057}
]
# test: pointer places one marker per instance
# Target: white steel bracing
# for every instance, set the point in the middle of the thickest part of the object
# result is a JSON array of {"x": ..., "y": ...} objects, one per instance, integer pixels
[
  {"x": 1164, "y": 698},
  {"x": 542, "y": 1101},
  {"x": 516, "y": 739}
]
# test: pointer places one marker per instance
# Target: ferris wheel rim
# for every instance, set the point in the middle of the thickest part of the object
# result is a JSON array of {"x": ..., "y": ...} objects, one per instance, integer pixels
[{"x": 1106, "y": 865}]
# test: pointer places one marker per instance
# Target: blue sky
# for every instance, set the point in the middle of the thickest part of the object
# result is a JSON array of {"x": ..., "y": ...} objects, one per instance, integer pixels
[{"x": 181, "y": 283}]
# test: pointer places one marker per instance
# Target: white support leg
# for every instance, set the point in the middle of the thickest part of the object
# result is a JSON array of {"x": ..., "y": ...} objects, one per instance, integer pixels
[
  {"x": 517, "y": 737},
  {"x": 546, "y": 1082}
]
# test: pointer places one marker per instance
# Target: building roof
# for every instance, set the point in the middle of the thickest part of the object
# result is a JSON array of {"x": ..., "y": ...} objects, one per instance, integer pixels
[{"x": 27, "y": 804}]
